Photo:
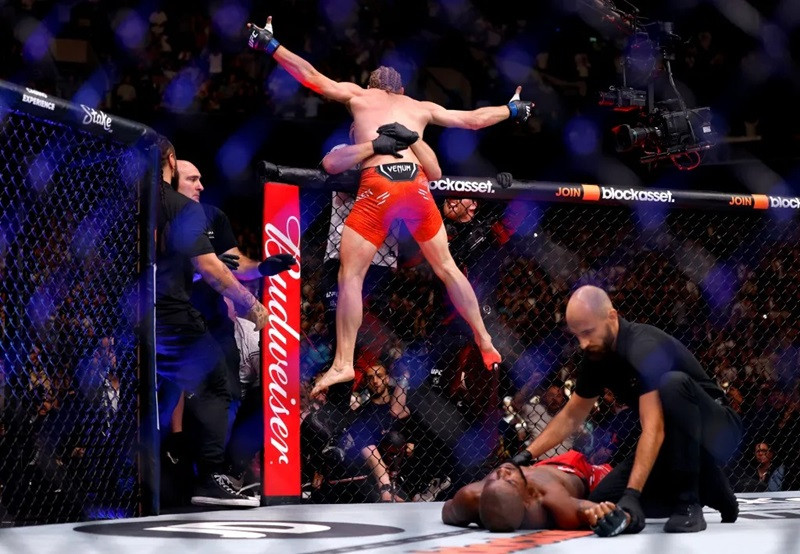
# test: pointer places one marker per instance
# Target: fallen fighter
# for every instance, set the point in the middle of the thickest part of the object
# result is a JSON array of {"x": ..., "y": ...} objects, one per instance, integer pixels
[{"x": 548, "y": 495}]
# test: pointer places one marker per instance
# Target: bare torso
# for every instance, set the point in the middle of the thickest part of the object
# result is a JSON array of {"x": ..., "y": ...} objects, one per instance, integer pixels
[
  {"x": 377, "y": 107},
  {"x": 545, "y": 476}
]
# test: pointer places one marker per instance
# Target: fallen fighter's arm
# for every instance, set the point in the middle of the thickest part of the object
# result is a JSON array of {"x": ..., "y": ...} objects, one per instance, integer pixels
[
  {"x": 568, "y": 513},
  {"x": 463, "y": 508}
]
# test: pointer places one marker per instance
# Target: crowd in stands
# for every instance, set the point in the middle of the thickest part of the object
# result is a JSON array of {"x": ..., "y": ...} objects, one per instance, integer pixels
[
  {"x": 64, "y": 398},
  {"x": 712, "y": 283},
  {"x": 188, "y": 57},
  {"x": 425, "y": 416}
]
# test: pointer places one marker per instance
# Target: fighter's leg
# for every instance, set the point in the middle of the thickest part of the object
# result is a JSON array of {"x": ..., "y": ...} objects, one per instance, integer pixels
[
  {"x": 355, "y": 256},
  {"x": 437, "y": 254}
]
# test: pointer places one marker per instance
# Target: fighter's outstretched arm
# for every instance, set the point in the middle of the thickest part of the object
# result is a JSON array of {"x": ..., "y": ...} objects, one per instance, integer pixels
[
  {"x": 516, "y": 109},
  {"x": 462, "y": 509},
  {"x": 297, "y": 67}
]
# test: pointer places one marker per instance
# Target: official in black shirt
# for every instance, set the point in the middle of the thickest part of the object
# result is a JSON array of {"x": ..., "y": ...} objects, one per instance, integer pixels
[
  {"x": 211, "y": 303},
  {"x": 188, "y": 360},
  {"x": 687, "y": 426}
]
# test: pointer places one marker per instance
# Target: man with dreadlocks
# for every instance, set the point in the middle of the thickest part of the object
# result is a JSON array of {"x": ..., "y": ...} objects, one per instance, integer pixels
[{"x": 393, "y": 186}]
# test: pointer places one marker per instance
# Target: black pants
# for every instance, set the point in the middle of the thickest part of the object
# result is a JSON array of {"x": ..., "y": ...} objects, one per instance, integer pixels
[
  {"x": 247, "y": 434},
  {"x": 700, "y": 434},
  {"x": 189, "y": 360}
]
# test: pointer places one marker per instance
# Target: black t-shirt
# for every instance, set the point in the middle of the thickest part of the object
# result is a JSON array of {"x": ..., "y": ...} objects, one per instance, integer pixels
[
  {"x": 181, "y": 235},
  {"x": 643, "y": 354},
  {"x": 210, "y": 303}
]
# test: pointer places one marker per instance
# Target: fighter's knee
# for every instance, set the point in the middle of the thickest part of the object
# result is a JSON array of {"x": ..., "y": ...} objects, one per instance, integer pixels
[
  {"x": 446, "y": 270},
  {"x": 672, "y": 381}
]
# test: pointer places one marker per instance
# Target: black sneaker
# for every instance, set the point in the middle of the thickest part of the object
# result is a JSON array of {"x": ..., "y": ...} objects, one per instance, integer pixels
[
  {"x": 716, "y": 492},
  {"x": 686, "y": 519},
  {"x": 218, "y": 490}
]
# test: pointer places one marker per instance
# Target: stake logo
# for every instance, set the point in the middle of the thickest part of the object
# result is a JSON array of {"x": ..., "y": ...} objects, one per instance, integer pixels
[{"x": 97, "y": 117}]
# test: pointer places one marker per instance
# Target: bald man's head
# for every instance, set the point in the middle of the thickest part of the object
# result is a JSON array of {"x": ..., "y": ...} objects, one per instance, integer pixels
[
  {"x": 593, "y": 320},
  {"x": 189, "y": 183},
  {"x": 501, "y": 508}
]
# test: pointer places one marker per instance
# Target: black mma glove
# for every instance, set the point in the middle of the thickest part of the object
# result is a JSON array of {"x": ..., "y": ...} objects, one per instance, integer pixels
[
  {"x": 399, "y": 133},
  {"x": 262, "y": 39},
  {"x": 387, "y": 145},
  {"x": 524, "y": 458},
  {"x": 612, "y": 524},
  {"x": 505, "y": 179},
  {"x": 520, "y": 109},
  {"x": 230, "y": 260},
  {"x": 268, "y": 171},
  {"x": 275, "y": 264},
  {"x": 630, "y": 503}
]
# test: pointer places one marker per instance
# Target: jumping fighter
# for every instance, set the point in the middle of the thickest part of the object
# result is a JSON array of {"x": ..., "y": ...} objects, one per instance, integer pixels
[{"x": 393, "y": 186}]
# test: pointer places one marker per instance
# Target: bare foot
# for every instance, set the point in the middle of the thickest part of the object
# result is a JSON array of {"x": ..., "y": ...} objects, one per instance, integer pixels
[
  {"x": 491, "y": 357},
  {"x": 332, "y": 377}
]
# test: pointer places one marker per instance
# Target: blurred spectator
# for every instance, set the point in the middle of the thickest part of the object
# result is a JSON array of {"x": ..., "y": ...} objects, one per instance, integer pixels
[
  {"x": 373, "y": 432},
  {"x": 536, "y": 412},
  {"x": 766, "y": 475}
]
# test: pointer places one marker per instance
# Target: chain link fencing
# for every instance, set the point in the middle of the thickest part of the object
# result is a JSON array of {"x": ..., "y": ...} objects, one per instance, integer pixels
[
  {"x": 71, "y": 247},
  {"x": 424, "y": 417}
]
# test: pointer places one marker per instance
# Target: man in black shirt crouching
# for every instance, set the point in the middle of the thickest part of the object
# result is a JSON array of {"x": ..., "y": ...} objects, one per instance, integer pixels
[{"x": 687, "y": 426}]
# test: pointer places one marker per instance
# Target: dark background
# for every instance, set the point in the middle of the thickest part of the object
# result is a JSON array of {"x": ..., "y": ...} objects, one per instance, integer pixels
[{"x": 736, "y": 57}]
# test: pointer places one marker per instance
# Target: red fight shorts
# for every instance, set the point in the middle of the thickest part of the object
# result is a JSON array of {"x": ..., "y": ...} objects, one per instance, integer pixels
[
  {"x": 576, "y": 463},
  {"x": 389, "y": 192}
]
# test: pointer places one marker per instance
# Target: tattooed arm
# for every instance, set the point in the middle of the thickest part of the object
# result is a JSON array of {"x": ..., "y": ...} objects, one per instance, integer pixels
[{"x": 220, "y": 278}]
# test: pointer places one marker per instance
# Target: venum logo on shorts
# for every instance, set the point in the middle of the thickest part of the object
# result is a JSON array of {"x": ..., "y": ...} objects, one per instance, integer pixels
[
  {"x": 97, "y": 117},
  {"x": 453, "y": 185},
  {"x": 236, "y": 529}
]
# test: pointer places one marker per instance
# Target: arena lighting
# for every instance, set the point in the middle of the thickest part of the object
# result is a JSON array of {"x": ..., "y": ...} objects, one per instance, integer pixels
[{"x": 666, "y": 130}]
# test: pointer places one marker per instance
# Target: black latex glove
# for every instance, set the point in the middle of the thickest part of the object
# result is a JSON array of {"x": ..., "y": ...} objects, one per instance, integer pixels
[
  {"x": 230, "y": 260},
  {"x": 631, "y": 504},
  {"x": 523, "y": 458},
  {"x": 387, "y": 145},
  {"x": 505, "y": 179},
  {"x": 275, "y": 264},
  {"x": 399, "y": 132}
]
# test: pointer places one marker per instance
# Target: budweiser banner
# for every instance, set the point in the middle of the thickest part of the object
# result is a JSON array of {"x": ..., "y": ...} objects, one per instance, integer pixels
[{"x": 280, "y": 345}]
